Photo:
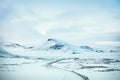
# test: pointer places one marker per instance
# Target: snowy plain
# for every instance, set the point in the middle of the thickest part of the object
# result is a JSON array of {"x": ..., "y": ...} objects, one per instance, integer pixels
[{"x": 59, "y": 63}]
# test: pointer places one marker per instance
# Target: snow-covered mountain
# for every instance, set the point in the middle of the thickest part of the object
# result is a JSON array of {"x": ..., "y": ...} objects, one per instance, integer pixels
[
  {"x": 87, "y": 48},
  {"x": 5, "y": 54},
  {"x": 12, "y": 45},
  {"x": 59, "y": 45},
  {"x": 56, "y": 45}
]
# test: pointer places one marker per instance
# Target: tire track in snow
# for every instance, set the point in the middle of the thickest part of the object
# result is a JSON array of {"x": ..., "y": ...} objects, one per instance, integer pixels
[{"x": 80, "y": 75}]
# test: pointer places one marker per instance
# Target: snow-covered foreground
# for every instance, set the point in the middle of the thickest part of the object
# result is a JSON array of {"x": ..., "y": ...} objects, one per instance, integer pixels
[
  {"x": 58, "y": 61},
  {"x": 94, "y": 69},
  {"x": 50, "y": 65},
  {"x": 22, "y": 69}
]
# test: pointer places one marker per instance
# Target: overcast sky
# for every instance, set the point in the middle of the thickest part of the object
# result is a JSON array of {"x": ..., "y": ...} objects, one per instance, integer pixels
[{"x": 74, "y": 21}]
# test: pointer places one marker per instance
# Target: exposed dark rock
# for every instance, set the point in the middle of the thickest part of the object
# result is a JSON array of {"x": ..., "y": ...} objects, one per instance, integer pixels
[
  {"x": 74, "y": 53},
  {"x": 108, "y": 61},
  {"x": 57, "y": 46},
  {"x": 109, "y": 70},
  {"x": 5, "y": 54},
  {"x": 99, "y": 51},
  {"x": 112, "y": 51},
  {"x": 30, "y": 47},
  {"x": 88, "y": 67},
  {"x": 51, "y": 39},
  {"x": 86, "y": 47}
]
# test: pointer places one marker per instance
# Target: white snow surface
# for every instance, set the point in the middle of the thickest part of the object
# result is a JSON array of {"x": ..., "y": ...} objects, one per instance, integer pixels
[{"x": 95, "y": 65}]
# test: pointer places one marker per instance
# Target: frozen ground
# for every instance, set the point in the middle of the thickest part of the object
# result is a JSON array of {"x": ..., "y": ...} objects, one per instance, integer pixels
[
  {"x": 25, "y": 69},
  {"x": 58, "y": 63}
]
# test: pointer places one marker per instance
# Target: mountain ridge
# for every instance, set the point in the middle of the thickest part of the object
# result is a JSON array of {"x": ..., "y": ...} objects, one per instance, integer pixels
[{"x": 56, "y": 45}]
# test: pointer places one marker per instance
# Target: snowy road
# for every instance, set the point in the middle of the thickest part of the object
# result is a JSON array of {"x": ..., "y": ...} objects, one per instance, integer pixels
[
  {"x": 80, "y": 75},
  {"x": 36, "y": 65},
  {"x": 24, "y": 69}
]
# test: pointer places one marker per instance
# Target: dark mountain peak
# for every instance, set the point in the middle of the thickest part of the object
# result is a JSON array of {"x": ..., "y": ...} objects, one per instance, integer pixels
[
  {"x": 52, "y": 39},
  {"x": 86, "y": 47},
  {"x": 54, "y": 44},
  {"x": 57, "y": 46}
]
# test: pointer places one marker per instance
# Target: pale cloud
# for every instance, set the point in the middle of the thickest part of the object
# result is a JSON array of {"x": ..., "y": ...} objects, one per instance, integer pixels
[
  {"x": 109, "y": 43},
  {"x": 23, "y": 19},
  {"x": 73, "y": 21}
]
